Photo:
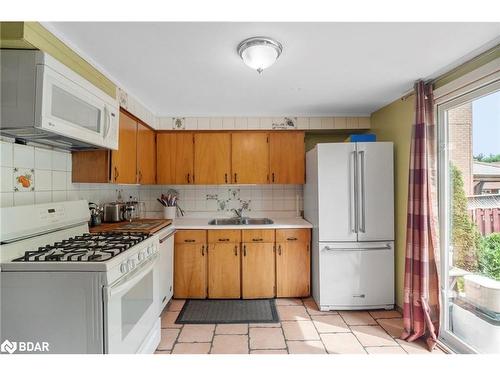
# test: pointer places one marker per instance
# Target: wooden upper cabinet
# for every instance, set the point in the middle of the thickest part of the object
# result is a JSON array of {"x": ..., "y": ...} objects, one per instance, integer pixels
[
  {"x": 134, "y": 161},
  {"x": 212, "y": 158},
  {"x": 175, "y": 154},
  {"x": 124, "y": 160},
  {"x": 146, "y": 155},
  {"x": 287, "y": 157},
  {"x": 90, "y": 166},
  {"x": 250, "y": 158}
]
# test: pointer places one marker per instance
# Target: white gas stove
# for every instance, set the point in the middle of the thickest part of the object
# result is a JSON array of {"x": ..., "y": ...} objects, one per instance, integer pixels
[{"x": 78, "y": 292}]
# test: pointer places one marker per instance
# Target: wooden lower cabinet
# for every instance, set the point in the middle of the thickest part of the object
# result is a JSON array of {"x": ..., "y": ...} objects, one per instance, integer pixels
[
  {"x": 246, "y": 264},
  {"x": 190, "y": 264},
  {"x": 293, "y": 263},
  {"x": 258, "y": 270},
  {"x": 224, "y": 270}
]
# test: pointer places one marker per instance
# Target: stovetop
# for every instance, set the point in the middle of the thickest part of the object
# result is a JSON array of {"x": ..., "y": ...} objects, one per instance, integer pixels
[{"x": 89, "y": 247}]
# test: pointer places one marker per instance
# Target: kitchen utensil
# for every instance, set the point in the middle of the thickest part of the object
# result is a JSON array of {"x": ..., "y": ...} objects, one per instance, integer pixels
[
  {"x": 141, "y": 210},
  {"x": 95, "y": 219},
  {"x": 113, "y": 212},
  {"x": 129, "y": 212},
  {"x": 181, "y": 211},
  {"x": 95, "y": 214},
  {"x": 169, "y": 212}
]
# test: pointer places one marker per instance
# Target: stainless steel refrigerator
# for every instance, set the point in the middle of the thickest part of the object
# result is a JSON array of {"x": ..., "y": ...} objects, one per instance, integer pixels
[{"x": 349, "y": 199}]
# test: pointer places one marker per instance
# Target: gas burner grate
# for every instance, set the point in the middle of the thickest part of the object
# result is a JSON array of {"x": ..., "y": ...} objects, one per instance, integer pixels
[{"x": 89, "y": 247}]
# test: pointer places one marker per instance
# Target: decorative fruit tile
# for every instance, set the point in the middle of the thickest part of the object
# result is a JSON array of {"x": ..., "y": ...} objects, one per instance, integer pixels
[{"x": 24, "y": 179}]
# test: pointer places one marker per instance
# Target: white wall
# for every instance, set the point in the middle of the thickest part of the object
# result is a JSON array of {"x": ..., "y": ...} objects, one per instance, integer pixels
[{"x": 49, "y": 175}]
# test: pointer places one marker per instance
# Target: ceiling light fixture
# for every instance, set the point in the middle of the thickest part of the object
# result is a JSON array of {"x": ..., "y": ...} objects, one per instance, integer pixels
[{"x": 259, "y": 52}]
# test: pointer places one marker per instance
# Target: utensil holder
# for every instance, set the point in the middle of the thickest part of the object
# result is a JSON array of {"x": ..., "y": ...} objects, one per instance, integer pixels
[{"x": 169, "y": 212}]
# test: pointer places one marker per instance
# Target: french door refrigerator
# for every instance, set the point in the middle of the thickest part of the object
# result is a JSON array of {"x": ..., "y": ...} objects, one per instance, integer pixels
[{"x": 349, "y": 199}]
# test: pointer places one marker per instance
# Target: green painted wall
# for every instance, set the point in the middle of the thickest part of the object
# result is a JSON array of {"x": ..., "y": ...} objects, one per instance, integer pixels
[
  {"x": 311, "y": 139},
  {"x": 393, "y": 123}
]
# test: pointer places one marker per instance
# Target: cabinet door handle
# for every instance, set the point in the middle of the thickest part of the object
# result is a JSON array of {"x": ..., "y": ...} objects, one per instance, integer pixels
[
  {"x": 223, "y": 239},
  {"x": 235, "y": 178},
  {"x": 189, "y": 178},
  {"x": 203, "y": 250},
  {"x": 279, "y": 250},
  {"x": 272, "y": 177},
  {"x": 257, "y": 239},
  {"x": 140, "y": 176},
  {"x": 236, "y": 250},
  {"x": 291, "y": 239},
  {"x": 116, "y": 173},
  {"x": 189, "y": 240},
  {"x": 225, "y": 178},
  {"x": 244, "y": 250}
]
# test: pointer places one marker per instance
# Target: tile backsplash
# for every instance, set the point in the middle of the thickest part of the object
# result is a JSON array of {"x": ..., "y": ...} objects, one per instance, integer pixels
[
  {"x": 32, "y": 175},
  {"x": 219, "y": 200}
]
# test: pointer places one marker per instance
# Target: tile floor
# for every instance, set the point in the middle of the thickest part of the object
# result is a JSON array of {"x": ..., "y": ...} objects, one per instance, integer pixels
[{"x": 303, "y": 330}]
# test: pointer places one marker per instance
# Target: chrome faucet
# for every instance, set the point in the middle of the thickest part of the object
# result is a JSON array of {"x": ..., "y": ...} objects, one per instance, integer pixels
[{"x": 239, "y": 211}]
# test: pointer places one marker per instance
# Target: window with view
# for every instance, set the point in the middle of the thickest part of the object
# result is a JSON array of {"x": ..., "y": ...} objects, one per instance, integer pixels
[{"x": 471, "y": 184}]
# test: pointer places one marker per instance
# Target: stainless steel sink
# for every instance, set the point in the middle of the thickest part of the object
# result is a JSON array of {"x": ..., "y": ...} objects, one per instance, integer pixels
[{"x": 241, "y": 221}]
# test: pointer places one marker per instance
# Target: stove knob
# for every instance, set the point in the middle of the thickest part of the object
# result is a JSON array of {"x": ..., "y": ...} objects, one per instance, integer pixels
[
  {"x": 124, "y": 268},
  {"x": 140, "y": 256},
  {"x": 131, "y": 264},
  {"x": 149, "y": 250}
]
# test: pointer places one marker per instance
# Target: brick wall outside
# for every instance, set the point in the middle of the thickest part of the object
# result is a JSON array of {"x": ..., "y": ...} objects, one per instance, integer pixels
[{"x": 460, "y": 142}]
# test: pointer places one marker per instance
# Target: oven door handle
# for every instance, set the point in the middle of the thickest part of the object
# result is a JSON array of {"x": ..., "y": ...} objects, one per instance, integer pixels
[
  {"x": 132, "y": 278},
  {"x": 167, "y": 236}
]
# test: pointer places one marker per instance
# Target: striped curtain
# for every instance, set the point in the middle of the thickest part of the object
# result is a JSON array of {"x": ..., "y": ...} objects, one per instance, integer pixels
[{"x": 421, "y": 283}]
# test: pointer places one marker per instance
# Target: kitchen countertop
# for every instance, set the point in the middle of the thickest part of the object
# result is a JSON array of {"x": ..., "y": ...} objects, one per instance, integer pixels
[
  {"x": 202, "y": 223},
  {"x": 148, "y": 225},
  {"x": 196, "y": 223}
]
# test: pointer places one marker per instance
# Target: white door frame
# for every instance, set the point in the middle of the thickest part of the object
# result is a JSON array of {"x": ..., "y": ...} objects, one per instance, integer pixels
[{"x": 443, "y": 104}]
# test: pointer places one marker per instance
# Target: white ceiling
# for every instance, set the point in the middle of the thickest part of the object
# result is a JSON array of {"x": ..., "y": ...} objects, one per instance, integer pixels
[{"x": 192, "y": 68}]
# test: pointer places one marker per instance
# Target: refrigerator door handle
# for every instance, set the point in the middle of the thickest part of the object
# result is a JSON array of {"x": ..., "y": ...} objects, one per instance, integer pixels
[
  {"x": 329, "y": 248},
  {"x": 362, "y": 227},
  {"x": 353, "y": 194}
]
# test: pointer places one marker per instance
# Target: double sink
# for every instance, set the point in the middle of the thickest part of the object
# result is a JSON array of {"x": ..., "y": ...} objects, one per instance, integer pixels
[{"x": 241, "y": 221}]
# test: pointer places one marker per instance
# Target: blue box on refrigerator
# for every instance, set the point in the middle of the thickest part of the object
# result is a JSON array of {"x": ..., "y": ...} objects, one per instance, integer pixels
[{"x": 362, "y": 138}]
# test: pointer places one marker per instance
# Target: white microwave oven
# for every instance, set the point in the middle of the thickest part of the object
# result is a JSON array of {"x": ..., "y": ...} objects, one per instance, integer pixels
[{"x": 44, "y": 101}]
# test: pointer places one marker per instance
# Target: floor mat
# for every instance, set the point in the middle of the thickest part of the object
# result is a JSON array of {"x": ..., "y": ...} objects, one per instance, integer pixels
[{"x": 225, "y": 311}]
